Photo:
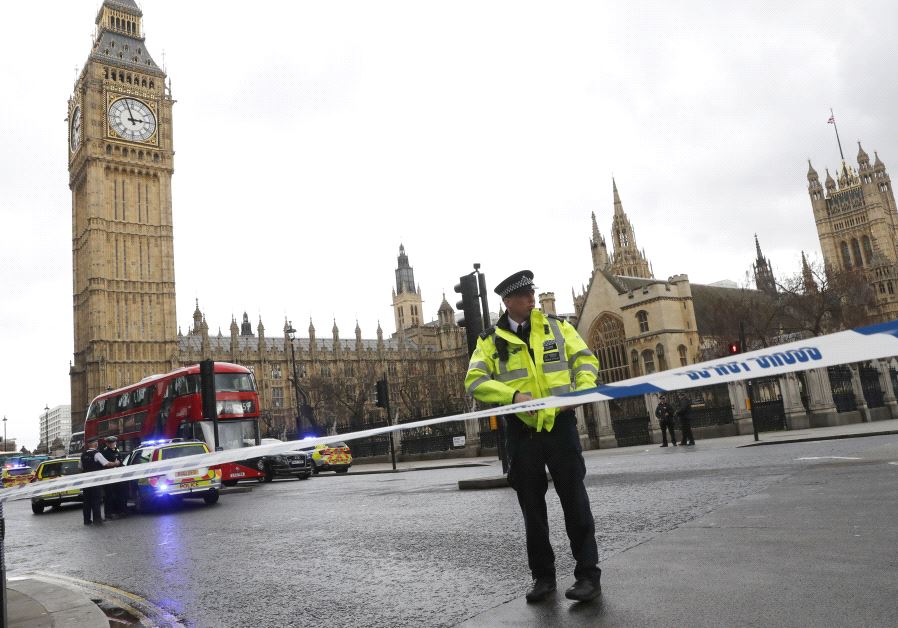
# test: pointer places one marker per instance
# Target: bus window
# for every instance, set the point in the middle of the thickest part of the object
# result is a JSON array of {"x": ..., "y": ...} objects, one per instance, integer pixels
[
  {"x": 124, "y": 402},
  {"x": 184, "y": 385},
  {"x": 142, "y": 396},
  {"x": 234, "y": 382}
]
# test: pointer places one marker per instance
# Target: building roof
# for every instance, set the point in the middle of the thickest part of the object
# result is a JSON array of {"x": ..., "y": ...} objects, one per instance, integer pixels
[{"x": 124, "y": 50}]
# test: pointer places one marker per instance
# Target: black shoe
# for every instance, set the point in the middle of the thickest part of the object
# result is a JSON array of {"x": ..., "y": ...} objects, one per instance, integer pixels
[
  {"x": 664, "y": 445},
  {"x": 542, "y": 587},
  {"x": 692, "y": 443},
  {"x": 584, "y": 589},
  {"x": 87, "y": 523},
  {"x": 674, "y": 444}
]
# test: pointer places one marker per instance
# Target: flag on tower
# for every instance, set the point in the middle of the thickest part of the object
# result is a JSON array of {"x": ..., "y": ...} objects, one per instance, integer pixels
[{"x": 832, "y": 120}]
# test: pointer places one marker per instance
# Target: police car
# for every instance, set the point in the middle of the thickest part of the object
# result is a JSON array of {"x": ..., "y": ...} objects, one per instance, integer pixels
[
  {"x": 331, "y": 457},
  {"x": 200, "y": 482},
  {"x": 50, "y": 470}
]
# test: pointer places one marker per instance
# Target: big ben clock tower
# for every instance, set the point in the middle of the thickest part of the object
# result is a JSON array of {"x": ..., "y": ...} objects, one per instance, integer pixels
[{"x": 120, "y": 167}]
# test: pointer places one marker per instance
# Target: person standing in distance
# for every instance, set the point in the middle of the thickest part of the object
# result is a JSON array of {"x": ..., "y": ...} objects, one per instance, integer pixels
[
  {"x": 685, "y": 404},
  {"x": 93, "y": 460},
  {"x": 529, "y": 355},
  {"x": 665, "y": 415}
]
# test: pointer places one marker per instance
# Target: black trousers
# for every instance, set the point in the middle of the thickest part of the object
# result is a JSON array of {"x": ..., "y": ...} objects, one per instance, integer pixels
[
  {"x": 113, "y": 499},
  {"x": 667, "y": 425},
  {"x": 686, "y": 428},
  {"x": 91, "y": 503},
  {"x": 529, "y": 453}
]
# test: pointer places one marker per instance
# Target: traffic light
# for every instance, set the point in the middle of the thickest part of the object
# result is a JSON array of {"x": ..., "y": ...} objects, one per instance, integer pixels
[
  {"x": 382, "y": 394},
  {"x": 734, "y": 347},
  {"x": 470, "y": 307}
]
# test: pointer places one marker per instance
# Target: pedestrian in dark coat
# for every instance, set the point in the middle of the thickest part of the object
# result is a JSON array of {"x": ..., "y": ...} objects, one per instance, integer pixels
[
  {"x": 683, "y": 407},
  {"x": 665, "y": 415}
]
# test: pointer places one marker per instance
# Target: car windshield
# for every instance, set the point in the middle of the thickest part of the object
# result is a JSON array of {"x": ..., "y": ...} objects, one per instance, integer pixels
[
  {"x": 55, "y": 469},
  {"x": 336, "y": 445},
  {"x": 182, "y": 450},
  {"x": 19, "y": 471}
]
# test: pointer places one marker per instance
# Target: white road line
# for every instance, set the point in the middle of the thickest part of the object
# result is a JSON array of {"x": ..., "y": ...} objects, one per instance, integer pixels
[{"x": 829, "y": 458}]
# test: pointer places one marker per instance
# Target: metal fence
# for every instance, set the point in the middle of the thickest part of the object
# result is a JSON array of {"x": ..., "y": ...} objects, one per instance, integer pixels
[
  {"x": 630, "y": 421},
  {"x": 431, "y": 438},
  {"x": 711, "y": 406},
  {"x": 371, "y": 446},
  {"x": 767, "y": 411},
  {"x": 843, "y": 392},
  {"x": 870, "y": 385}
]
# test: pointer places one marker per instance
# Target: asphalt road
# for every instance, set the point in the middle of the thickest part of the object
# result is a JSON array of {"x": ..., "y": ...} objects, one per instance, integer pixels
[{"x": 405, "y": 549}]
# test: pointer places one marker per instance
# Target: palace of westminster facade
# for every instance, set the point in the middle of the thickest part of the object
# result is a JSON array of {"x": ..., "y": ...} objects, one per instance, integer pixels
[{"x": 120, "y": 167}]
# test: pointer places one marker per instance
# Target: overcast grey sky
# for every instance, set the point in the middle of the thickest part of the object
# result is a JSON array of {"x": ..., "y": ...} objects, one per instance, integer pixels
[{"x": 312, "y": 138}]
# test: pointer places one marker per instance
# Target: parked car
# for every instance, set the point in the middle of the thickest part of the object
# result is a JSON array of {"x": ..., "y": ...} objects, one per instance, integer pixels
[
  {"x": 292, "y": 464},
  {"x": 331, "y": 457},
  {"x": 201, "y": 482},
  {"x": 50, "y": 470},
  {"x": 14, "y": 476}
]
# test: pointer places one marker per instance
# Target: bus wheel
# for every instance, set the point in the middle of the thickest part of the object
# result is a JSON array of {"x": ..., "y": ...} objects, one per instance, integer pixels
[
  {"x": 37, "y": 508},
  {"x": 269, "y": 476},
  {"x": 211, "y": 497},
  {"x": 229, "y": 482}
]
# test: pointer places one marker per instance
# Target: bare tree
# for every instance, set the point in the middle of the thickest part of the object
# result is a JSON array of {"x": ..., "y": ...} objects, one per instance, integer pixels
[{"x": 822, "y": 300}]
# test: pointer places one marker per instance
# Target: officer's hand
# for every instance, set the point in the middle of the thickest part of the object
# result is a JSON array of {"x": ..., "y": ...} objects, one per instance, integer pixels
[{"x": 520, "y": 397}]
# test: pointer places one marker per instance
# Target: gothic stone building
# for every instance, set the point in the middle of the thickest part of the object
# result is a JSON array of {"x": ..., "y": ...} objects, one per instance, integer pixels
[{"x": 857, "y": 224}]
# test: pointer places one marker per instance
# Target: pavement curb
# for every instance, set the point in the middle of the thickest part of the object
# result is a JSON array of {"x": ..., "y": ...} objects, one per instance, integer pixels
[
  {"x": 43, "y": 603},
  {"x": 810, "y": 439}
]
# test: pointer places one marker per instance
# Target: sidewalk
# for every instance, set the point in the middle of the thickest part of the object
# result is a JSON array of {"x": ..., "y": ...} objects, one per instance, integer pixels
[
  {"x": 817, "y": 549},
  {"x": 34, "y": 603}
]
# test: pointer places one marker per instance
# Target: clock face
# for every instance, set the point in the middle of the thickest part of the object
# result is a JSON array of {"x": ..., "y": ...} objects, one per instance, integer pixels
[
  {"x": 131, "y": 119},
  {"x": 75, "y": 129}
]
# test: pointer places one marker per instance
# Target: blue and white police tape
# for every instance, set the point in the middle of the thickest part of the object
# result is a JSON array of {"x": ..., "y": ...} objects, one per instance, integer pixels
[{"x": 866, "y": 343}]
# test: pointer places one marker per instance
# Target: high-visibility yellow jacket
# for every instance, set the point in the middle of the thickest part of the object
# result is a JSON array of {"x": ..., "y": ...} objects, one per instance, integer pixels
[{"x": 561, "y": 362}]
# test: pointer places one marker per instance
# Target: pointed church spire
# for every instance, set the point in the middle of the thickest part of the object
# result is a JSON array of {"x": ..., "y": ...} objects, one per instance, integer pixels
[
  {"x": 807, "y": 276},
  {"x": 627, "y": 259},
  {"x": 764, "y": 279},
  {"x": 600, "y": 258}
]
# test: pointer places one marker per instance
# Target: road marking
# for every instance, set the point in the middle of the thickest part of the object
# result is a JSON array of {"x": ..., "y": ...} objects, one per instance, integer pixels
[
  {"x": 829, "y": 458},
  {"x": 893, "y": 463}
]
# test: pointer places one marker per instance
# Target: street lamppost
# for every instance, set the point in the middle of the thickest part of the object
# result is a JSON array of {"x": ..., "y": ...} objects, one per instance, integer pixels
[
  {"x": 5, "y": 448},
  {"x": 47, "y": 427}
]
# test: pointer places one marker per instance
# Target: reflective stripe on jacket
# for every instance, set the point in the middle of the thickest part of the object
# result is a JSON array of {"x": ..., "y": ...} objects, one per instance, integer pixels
[{"x": 561, "y": 363}]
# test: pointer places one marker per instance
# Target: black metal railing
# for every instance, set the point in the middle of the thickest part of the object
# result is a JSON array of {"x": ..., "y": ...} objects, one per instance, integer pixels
[
  {"x": 371, "y": 446},
  {"x": 870, "y": 385},
  {"x": 431, "y": 438},
  {"x": 843, "y": 392},
  {"x": 630, "y": 421},
  {"x": 767, "y": 411}
]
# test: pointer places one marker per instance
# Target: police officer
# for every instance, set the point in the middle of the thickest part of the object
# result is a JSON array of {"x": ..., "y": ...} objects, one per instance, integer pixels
[
  {"x": 113, "y": 497},
  {"x": 529, "y": 355},
  {"x": 683, "y": 408},
  {"x": 93, "y": 460},
  {"x": 665, "y": 414}
]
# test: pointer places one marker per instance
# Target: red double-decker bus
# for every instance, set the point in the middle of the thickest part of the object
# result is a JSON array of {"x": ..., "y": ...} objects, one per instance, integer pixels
[{"x": 171, "y": 406}]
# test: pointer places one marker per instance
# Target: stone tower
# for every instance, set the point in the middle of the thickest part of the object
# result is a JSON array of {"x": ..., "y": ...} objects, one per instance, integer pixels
[
  {"x": 627, "y": 259},
  {"x": 120, "y": 167},
  {"x": 764, "y": 279},
  {"x": 857, "y": 224},
  {"x": 406, "y": 296}
]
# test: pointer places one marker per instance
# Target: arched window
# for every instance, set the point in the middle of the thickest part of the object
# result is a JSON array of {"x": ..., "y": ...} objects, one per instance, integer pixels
[
  {"x": 662, "y": 361},
  {"x": 682, "y": 351},
  {"x": 846, "y": 256},
  {"x": 607, "y": 340},
  {"x": 868, "y": 250},
  {"x": 643, "y": 318},
  {"x": 634, "y": 362},
  {"x": 856, "y": 249},
  {"x": 648, "y": 361}
]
